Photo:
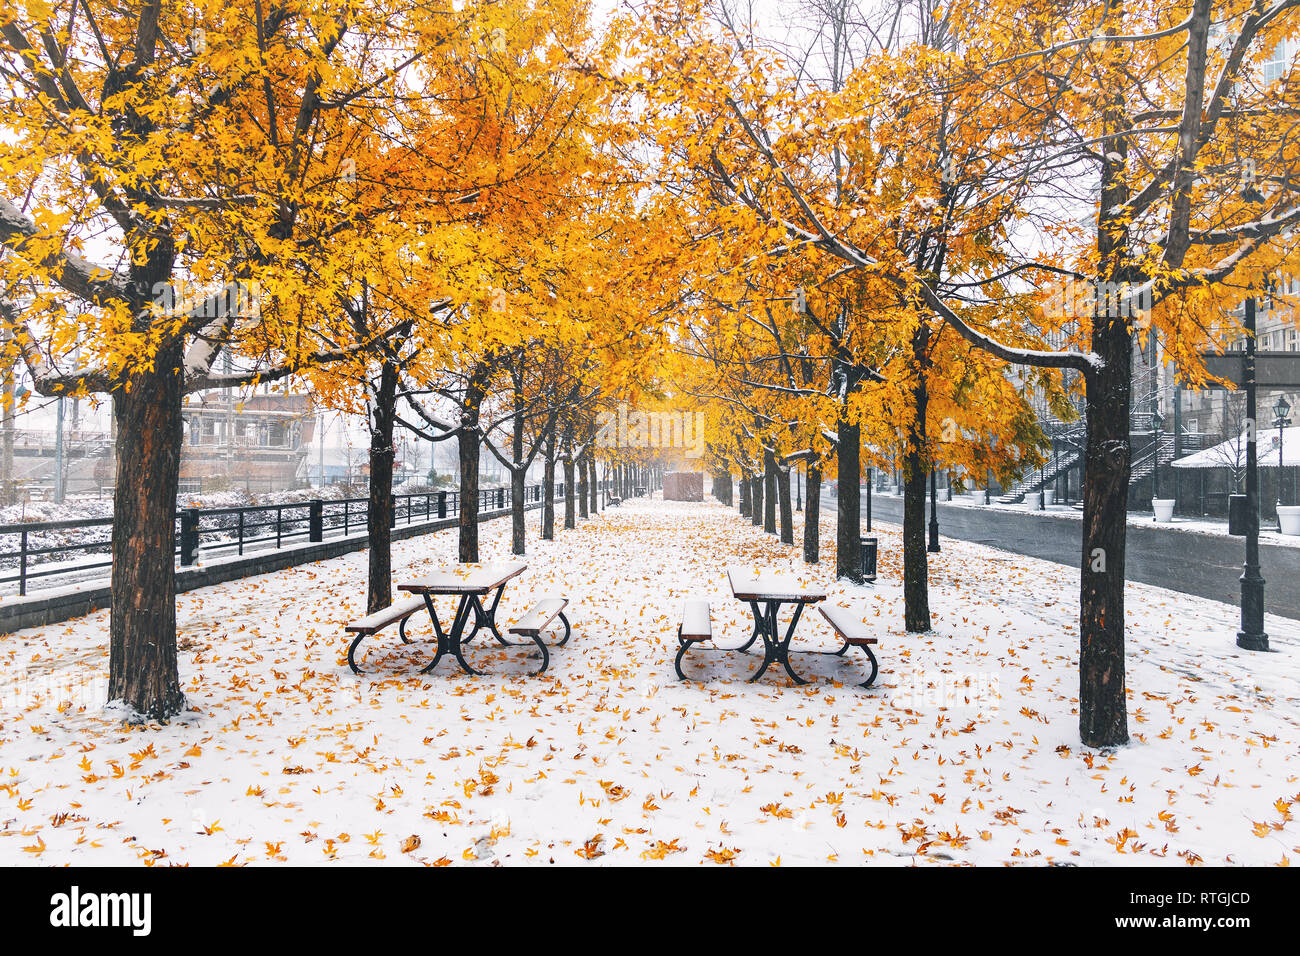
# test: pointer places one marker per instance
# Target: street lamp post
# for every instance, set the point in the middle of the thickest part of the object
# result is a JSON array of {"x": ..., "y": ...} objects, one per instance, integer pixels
[
  {"x": 1251, "y": 637},
  {"x": 871, "y": 481},
  {"x": 1281, "y": 416}
]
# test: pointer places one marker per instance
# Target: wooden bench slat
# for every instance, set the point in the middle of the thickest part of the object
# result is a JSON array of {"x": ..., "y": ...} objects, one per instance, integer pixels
[
  {"x": 697, "y": 624},
  {"x": 848, "y": 625},
  {"x": 390, "y": 615},
  {"x": 539, "y": 615}
]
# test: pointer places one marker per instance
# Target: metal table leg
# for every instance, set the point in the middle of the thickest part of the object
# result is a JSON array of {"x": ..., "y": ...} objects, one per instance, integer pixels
[
  {"x": 449, "y": 641},
  {"x": 775, "y": 649},
  {"x": 486, "y": 618}
]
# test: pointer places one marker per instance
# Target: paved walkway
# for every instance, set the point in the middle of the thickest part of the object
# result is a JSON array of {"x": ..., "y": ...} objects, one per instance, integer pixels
[{"x": 1208, "y": 566}]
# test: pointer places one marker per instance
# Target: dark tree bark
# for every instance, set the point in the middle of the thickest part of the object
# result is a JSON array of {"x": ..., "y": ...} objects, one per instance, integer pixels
[
  {"x": 848, "y": 528},
  {"x": 1103, "y": 707},
  {"x": 1103, "y": 716},
  {"x": 468, "y": 446},
  {"x": 517, "y": 473},
  {"x": 583, "y": 486},
  {"x": 593, "y": 485},
  {"x": 379, "y": 518},
  {"x": 769, "y": 492},
  {"x": 916, "y": 565},
  {"x": 916, "y": 596},
  {"x": 783, "y": 493},
  {"x": 812, "y": 515},
  {"x": 744, "y": 496},
  {"x": 569, "y": 519},
  {"x": 142, "y": 627},
  {"x": 756, "y": 499},
  {"x": 548, "y": 493}
]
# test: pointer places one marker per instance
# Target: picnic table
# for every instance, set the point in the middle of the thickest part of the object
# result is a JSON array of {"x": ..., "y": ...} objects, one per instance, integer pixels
[
  {"x": 765, "y": 592},
  {"x": 472, "y": 584}
]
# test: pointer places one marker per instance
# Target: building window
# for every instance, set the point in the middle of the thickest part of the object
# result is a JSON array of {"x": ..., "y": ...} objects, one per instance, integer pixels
[{"x": 1275, "y": 67}]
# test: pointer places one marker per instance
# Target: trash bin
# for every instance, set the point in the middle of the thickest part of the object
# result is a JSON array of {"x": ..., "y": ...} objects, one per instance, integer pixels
[
  {"x": 868, "y": 558},
  {"x": 1237, "y": 514}
]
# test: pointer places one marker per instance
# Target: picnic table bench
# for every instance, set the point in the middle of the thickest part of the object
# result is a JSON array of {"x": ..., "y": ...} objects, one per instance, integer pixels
[
  {"x": 765, "y": 593},
  {"x": 535, "y": 621},
  {"x": 471, "y": 585},
  {"x": 853, "y": 632},
  {"x": 395, "y": 613}
]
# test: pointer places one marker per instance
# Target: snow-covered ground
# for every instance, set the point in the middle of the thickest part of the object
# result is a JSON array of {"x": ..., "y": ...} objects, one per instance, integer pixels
[{"x": 965, "y": 751}]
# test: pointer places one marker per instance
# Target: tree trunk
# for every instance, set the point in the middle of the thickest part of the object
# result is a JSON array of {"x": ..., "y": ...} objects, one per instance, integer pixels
[
  {"x": 1103, "y": 708},
  {"x": 812, "y": 515},
  {"x": 517, "y": 543},
  {"x": 848, "y": 528},
  {"x": 769, "y": 492},
  {"x": 379, "y": 517},
  {"x": 569, "y": 520},
  {"x": 756, "y": 499},
  {"x": 583, "y": 486},
  {"x": 593, "y": 485},
  {"x": 744, "y": 496},
  {"x": 1103, "y": 716},
  {"x": 468, "y": 444},
  {"x": 916, "y": 595},
  {"x": 916, "y": 564},
  {"x": 548, "y": 493},
  {"x": 787, "y": 515},
  {"x": 517, "y": 474},
  {"x": 142, "y": 629}
]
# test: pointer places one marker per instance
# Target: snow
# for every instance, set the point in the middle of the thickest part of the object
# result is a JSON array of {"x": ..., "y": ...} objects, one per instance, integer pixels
[{"x": 965, "y": 751}]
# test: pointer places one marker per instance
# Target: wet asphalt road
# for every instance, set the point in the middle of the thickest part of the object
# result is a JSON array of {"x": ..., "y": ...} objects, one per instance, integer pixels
[{"x": 1208, "y": 566}]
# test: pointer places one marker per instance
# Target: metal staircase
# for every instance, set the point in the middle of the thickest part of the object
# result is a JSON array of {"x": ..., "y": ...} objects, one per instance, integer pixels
[{"x": 1070, "y": 442}]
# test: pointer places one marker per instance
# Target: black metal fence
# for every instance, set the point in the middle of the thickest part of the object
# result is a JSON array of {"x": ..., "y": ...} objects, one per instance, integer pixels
[{"x": 78, "y": 549}]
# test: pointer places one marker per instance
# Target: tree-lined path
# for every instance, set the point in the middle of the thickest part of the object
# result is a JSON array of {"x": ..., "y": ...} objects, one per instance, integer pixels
[{"x": 963, "y": 751}]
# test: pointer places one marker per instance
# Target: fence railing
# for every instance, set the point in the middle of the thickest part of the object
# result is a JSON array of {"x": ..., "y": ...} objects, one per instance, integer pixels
[{"x": 40, "y": 550}]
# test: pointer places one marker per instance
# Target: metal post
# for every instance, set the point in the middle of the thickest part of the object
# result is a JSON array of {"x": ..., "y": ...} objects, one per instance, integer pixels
[
  {"x": 189, "y": 536},
  {"x": 934, "y": 511},
  {"x": 1251, "y": 637},
  {"x": 58, "y": 455},
  {"x": 316, "y": 521}
]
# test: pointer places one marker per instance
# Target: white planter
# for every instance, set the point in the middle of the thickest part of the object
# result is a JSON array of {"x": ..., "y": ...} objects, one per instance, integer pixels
[
  {"x": 1049, "y": 496},
  {"x": 1289, "y": 518},
  {"x": 1164, "y": 508}
]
